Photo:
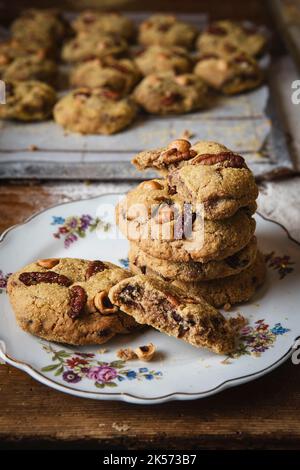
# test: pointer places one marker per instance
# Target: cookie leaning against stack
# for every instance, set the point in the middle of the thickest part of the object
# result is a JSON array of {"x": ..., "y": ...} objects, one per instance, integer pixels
[{"x": 218, "y": 260}]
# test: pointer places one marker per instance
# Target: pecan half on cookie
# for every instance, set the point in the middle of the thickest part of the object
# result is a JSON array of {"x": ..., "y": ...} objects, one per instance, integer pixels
[{"x": 58, "y": 303}]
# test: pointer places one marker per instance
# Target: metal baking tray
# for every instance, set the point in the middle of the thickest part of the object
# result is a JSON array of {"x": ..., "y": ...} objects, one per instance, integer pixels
[{"x": 247, "y": 123}]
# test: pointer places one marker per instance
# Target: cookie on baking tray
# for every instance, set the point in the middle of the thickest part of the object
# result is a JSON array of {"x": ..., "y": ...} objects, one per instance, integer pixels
[
  {"x": 165, "y": 93},
  {"x": 157, "y": 59},
  {"x": 104, "y": 22},
  {"x": 117, "y": 74},
  {"x": 229, "y": 74},
  {"x": 94, "y": 111},
  {"x": 31, "y": 68},
  {"x": 88, "y": 46},
  {"x": 66, "y": 300},
  {"x": 227, "y": 36},
  {"x": 166, "y": 30},
  {"x": 28, "y": 101}
]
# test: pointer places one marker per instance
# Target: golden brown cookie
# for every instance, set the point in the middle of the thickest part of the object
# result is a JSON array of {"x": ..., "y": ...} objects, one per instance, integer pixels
[
  {"x": 230, "y": 290},
  {"x": 165, "y": 93},
  {"x": 28, "y": 101},
  {"x": 66, "y": 300},
  {"x": 226, "y": 36},
  {"x": 229, "y": 74},
  {"x": 117, "y": 74},
  {"x": 166, "y": 30},
  {"x": 145, "y": 263},
  {"x": 94, "y": 111},
  {"x": 177, "y": 313}
]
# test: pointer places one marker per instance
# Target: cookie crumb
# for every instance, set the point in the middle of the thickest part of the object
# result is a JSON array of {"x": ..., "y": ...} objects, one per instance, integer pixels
[
  {"x": 120, "y": 427},
  {"x": 32, "y": 148},
  {"x": 187, "y": 134},
  {"x": 126, "y": 354},
  {"x": 227, "y": 307},
  {"x": 102, "y": 351}
]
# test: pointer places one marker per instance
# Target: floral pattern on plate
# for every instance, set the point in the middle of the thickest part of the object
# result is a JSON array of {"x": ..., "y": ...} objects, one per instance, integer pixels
[
  {"x": 257, "y": 339},
  {"x": 73, "y": 367},
  {"x": 74, "y": 227},
  {"x": 3, "y": 281},
  {"x": 282, "y": 264}
]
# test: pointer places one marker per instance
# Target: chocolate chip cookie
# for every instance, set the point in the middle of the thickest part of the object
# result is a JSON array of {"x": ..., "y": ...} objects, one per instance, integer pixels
[
  {"x": 94, "y": 111},
  {"x": 99, "y": 22},
  {"x": 117, "y": 74},
  {"x": 31, "y": 68},
  {"x": 231, "y": 74},
  {"x": 229, "y": 290},
  {"x": 174, "y": 312},
  {"x": 145, "y": 263},
  {"x": 206, "y": 173},
  {"x": 40, "y": 26},
  {"x": 166, "y": 93},
  {"x": 166, "y": 30},
  {"x": 226, "y": 36},
  {"x": 66, "y": 300},
  {"x": 88, "y": 46},
  {"x": 163, "y": 225},
  {"x": 157, "y": 59},
  {"x": 28, "y": 101}
]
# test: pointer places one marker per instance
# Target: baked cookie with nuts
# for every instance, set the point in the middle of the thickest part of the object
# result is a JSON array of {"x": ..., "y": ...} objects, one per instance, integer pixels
[
  {"x": 94, "y": 111},
  {"x": 157, "y": 59},
  {"x": 144, "y": 263},
  {"x": 96, "y": 22},
  {"x": 40, "y": 26},
  {"x": 87, "y": 46},
  {"x": 165, "y": 93},
  {"x": 166, "y": 30},
  {"x": 117, "y": 74},
  {"x": 229, "y": 290},
  {"x": 206, "y": 173},
  {"x": 12, "y": 49},
  {"x": 28, "y": 101},
  {"x": 231, "y": 74},
  {"x": 166, "y": 227},
  {"x": 66, "y": 300},
  {"x": 223, "y": 37},
  {"x": 31, "y": 68},
  {"x": 177, "y": 313}
]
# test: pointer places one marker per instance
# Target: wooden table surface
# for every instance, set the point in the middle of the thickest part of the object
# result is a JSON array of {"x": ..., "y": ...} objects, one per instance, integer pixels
[{"x": 261, "y": 414}]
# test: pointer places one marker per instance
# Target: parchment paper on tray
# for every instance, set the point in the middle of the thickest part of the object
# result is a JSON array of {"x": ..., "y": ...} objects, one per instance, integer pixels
[{"x": 245, "y": 123}]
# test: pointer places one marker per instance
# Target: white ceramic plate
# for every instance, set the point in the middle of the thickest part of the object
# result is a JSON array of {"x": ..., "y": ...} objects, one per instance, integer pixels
[{"x": 180, "y": 371}]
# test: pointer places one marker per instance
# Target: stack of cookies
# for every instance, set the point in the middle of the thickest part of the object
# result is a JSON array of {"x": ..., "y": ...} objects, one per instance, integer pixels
[{"x": 195, "y": 228}]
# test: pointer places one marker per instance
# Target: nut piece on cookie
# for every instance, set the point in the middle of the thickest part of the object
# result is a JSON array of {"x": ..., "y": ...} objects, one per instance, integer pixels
[
  {"x": 190, "y": 319},
  {"x": 57, "y": 302}
]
